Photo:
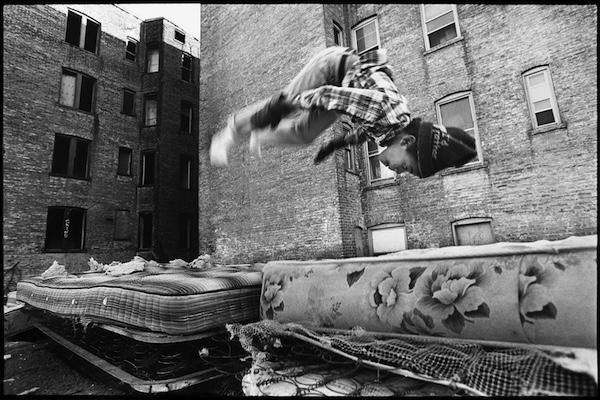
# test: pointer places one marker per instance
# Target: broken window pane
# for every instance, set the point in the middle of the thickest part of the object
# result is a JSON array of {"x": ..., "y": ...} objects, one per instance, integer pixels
[{"x": 67, "y": 88}]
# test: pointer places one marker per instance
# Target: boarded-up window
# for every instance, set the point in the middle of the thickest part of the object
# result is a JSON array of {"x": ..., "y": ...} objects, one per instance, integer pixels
[
  {"x": 122, "y": 225},
  {"x": 77, "y": 90},
  {"x": 151, "y": 110},
  {"x": 387, "y": 238},
  {"x": 473, "y": 231}
]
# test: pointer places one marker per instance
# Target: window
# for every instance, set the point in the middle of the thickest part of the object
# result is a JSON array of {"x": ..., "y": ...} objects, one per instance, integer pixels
[
  {"x": 440, "y": 24},
  {"x": 458, "y": 110},
  {"x": 186, "y": 67},
  {"x": 128, "y": 102},
  {"x": 349, "y": 150},
  {"x": 82, "y": 31},
  {"x": 65, "y": 229},
  {"x": 472, "y": 231},
  {"x": 147, "y": 168},
  {"x": 77, "y": 90},
  {"x": 338, "y": 34},
  {"x": 185, "y": 231},
  {"x": 151, "y": 110},
  {"x": 124, "y": 163},
  {"x": 131, "y": 49},
  {"x": 540, "y": 96},
  {"x": 152, "y": 58},
  {"x": 387, "y": 238},
  {"x": 187, "y": 115},
  {"x": 145, "y": 230},
  {"x": 122, "y": 226},
  {"x": 179, "y": 36},
  {"x": 365, "y": 36},
  {"x": 70, "y": 157},
  {"x": 185, "y": 172},
  {"x": 377, "y": 171}
]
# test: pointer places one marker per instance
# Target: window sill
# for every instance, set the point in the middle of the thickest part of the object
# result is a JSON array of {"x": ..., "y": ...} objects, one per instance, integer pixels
[
  {"x": 464, "y": 168},
  {"x": 547, "y": 128},
  {"x": 129, "y": 115},
  {"x": 441, "y": 46},
  {"x": 384, "y": 183},
  {"x": 76, "y": 46},
  {"x": 92, "y": 113},
  {"x": 69, "y": 177},
  {"x": 150, "y": 126}
]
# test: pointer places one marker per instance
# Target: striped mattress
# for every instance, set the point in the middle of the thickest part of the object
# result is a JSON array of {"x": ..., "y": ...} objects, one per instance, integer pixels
[{"x": 176, "y": 301}]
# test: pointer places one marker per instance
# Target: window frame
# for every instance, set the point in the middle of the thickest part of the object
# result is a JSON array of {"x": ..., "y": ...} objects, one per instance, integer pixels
[
  {"x": 64, "y": 248},
  {"x": 79, "y": 87},
  {"x": 185, "y": 171},
  {"x": 83, "y": 32},
  {"x": 147, "y": 97},
  {"x": 130, "y": 153},
  {"x": 142, "y": 227},
  {"x": 470, "y": 221},
  {"x": 143, "y": 168},
  {"x": 369, "y": 154},
  {"x": 385, "y": 226},
  {"x": 123, "y": 111},
  {"x": 339, "y": 35},
  {"x": 426, "y": 35},
  {"x": 362, "y": 24},
  {"x": 127, "y": 52},
  {"x": 190, "y": 70},
  {"x": 72, "y": 153},
  {"x": 150, "y": 48},
  {"x": 455, "y": 97},
  {"x": 184, "y": 104},
  {"x": 545, "y": 69},
  {"x": 181, "y": 34}
]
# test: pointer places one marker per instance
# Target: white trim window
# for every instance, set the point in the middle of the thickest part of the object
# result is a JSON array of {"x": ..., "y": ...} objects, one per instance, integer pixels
[
  {"x": 377, "y": 171},
  {"x": 387, "y": 238},
  {"x": 338, "y": 34},
  {"x": 440, "y": 24},
  {"x": 473, "y": 231},
  {"x": 365, "y": 36},
  {"x": 458, "y": 110},
  {"x": 540, "y": 97}
]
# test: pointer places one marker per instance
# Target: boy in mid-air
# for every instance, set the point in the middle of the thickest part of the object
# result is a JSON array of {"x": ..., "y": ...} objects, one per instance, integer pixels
[{"x": 337, "y": 81}]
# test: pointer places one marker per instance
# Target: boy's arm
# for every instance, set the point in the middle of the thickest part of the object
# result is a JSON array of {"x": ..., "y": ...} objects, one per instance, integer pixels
[{"x": 337, "y": 143}]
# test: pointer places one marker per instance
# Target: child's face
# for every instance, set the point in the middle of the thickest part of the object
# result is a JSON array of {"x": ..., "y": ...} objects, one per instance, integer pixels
[{"x": 398, "y": 156}]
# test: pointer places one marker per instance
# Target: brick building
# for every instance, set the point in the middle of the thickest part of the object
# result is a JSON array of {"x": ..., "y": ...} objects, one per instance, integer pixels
[
  {"x": 520, "y": 78},
  {"x": 100, "y": 136}
]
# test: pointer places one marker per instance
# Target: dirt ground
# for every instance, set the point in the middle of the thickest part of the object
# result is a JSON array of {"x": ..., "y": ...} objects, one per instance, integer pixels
[{"x": 39, "y": 366}]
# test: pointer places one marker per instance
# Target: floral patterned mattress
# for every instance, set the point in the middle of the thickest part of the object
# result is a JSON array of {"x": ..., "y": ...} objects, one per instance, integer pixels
[
  {"x": 176, "y": 301},
  {"x": 542, "y": 292}
]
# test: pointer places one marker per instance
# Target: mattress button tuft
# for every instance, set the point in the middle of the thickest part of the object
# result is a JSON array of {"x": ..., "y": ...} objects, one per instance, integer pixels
[
  {"x": 73, "y": 301},
  {"x": 105, "y": 301}
]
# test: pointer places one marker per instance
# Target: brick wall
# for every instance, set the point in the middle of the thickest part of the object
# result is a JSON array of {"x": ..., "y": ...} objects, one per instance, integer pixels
[
  {"x": 34, "y": 54},
  {"x": 533, "y": 185},
  {"x": 281, "y": 206}
]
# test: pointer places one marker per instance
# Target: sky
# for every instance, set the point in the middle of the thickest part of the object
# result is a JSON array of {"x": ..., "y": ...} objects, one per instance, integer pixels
[{"x": 184, "y": 15}]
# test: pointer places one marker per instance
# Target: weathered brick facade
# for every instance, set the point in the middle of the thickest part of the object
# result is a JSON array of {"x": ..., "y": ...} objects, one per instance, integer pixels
[
  {"x": 533, "y": 184},
  {"x": 35, "y": 51}
]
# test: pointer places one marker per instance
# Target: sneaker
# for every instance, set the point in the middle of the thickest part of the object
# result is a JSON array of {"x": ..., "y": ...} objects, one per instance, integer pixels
[
  {"x": 254, "y": 145},
  {"x": 220, "y": 144}
]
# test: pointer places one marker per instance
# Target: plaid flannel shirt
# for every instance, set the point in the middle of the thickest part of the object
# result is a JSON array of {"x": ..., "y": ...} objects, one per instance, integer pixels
[{"x": 367, "y": 94}]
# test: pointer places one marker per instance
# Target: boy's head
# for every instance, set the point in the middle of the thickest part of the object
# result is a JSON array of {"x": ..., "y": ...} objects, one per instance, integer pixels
[{"x": 423, "y": 149}]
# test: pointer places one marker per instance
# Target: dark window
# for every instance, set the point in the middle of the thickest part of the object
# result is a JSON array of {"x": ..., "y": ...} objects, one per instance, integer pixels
[
  {"x": 179, "y": 37},
  {"x": 186, "y": 67},
  {"x": 77, "y": 90},
  {"x": 185, "y": 231},
  {"x": 186, "y": 117},
  {"x": 75, "y": 22},
  {"x": 147, "y": 165},
  {"x": 185, "y": 172},
  {"x": 70, "y": 156},
  {"x": 145, "y": 230},
  {"x": 124, "y": 167},
  {"x": 122, "y": 227},
  {"x": 65, "y": 228},
  {"x": 338, "y": 37},
  {"x": 128, "y": 102},
  {"x": 131, "y": 50}
]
